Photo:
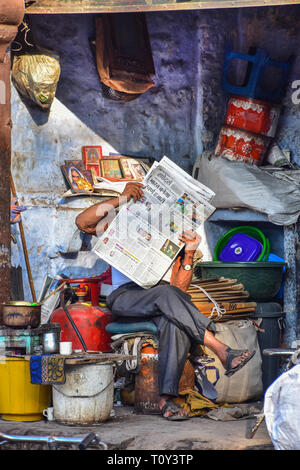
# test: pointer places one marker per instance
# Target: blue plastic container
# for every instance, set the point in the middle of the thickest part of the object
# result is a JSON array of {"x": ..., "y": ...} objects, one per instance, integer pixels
[
  {"x": 276, "y": 259},
  {"x": 241, "y": 247}
]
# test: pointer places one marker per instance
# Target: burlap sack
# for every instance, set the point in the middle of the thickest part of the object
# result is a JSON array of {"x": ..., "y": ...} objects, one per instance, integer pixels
[{"x": 245, "y": 384}]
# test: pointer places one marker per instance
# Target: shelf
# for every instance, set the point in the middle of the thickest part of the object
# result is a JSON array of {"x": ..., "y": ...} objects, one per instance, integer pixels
[
  {"x": 126, "y": 6},
  {"x": 237, "y": 215}
]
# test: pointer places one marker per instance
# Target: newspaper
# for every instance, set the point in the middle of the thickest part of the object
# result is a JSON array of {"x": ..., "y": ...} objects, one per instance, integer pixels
[
  {"x": 117, "y": 186},
  {"x": 142, "y": 241}
]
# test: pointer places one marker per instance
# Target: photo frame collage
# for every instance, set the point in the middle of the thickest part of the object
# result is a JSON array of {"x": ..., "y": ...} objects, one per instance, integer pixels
[{"x": 82, "y": 174}]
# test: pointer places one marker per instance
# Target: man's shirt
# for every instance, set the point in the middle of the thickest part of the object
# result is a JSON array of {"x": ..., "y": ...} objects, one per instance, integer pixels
[{"x": 118, "y": 278}]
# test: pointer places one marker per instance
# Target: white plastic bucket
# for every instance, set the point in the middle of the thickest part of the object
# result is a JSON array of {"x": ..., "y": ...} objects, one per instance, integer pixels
[{"x": 87, "y": 395}]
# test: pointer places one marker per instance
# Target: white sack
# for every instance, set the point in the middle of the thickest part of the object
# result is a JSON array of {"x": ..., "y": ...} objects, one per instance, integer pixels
[
  {"x": 237, "y": 184},
  {"x": 282, "y": 410}
]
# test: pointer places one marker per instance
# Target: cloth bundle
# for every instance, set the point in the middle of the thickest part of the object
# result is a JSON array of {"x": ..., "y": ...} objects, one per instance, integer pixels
[
  {"x": 194, "y": 403},
  {"x": 46, "y": 369},
  {"x": 202, "y": 384},
  {"x": 36, "y": 75},
  {"x": 124, "y": 73},
  {"x": 15, "y": 210}
]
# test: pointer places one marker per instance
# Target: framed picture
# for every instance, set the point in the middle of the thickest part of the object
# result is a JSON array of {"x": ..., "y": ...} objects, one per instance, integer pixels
[
  {"x": 146, "y": 162},
  {"x": 93, "y": 176},
  {"x": 132, "y": 169},
  {"x": 77, "y": 163},
  {"x": 88, "y": 175},
  {"x": 111, "y": 169},
  {"x": 79, "y": 180},
  {"x": 91, "y": 157}
]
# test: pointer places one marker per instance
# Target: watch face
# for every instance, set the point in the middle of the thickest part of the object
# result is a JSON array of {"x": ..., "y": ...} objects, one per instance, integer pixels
[{"x": 187, "y": 267}]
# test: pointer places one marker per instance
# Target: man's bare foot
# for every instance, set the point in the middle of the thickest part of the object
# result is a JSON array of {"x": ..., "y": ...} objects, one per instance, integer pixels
[
  {"x": 171, "y": 408},
  {"x": 236, "y": 359},
  {"x": 231, "y": 359}
]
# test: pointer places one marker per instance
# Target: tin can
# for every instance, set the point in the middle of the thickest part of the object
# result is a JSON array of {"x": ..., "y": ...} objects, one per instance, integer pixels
[
  {"x": 240, "y": 145},
  {"x": 51, "y": 342},
  {"x": 253, "y": 115}
]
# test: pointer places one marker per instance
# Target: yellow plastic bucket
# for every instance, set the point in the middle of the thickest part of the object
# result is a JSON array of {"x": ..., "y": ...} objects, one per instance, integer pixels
[{"x": 19, "y": 399}]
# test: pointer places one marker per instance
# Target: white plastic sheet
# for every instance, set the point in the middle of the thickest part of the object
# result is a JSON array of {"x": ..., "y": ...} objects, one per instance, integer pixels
[
  {"x": 282, "y": 410},
  {"x": 238, "y": 185}
]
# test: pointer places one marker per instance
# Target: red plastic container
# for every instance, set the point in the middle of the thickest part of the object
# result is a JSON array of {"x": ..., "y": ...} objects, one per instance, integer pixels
[
  {"x": 237, "y": 144},
  {"x": 253, "y": 115}
]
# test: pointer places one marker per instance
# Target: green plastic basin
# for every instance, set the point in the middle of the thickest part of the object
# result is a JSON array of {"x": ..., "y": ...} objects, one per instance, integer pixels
[{"x": 260, "y": 278}]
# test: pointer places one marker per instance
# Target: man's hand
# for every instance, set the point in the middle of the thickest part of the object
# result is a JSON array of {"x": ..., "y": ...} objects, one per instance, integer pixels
[
  {"x": 133, "y": 190},
  {"x": 191, "y": 240}
]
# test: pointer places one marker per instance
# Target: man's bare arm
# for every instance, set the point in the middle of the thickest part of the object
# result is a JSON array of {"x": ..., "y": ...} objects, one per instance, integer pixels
[
  {"x": 88, "y": 220},
  {"x": 182, "y": 278}
]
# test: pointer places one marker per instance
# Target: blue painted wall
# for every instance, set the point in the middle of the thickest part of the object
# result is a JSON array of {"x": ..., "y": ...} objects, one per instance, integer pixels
[
  {"x": 165, "y": 120},
  {"x": 179, "y": 117}
]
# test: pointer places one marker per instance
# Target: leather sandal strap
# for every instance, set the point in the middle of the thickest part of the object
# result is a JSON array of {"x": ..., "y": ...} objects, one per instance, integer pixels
[
  {"x": 232, "y": 353},
  {"x": 170, "y": 406}
]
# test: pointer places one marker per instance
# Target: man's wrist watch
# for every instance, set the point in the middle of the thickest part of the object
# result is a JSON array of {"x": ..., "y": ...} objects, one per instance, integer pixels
[{"x": 187, "y": 267}]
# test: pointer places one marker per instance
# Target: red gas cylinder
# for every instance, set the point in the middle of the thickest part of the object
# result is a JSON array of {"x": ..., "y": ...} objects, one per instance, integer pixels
[
  {"x": 89, "y": 317},
  {"x": 146, "y": 382}
]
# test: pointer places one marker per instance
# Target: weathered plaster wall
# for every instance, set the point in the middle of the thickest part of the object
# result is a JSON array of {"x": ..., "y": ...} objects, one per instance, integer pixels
[
  {"x": 165, "y": 120},
  {"x": 275, "y": 29},
  {"x": 179, "y": 117}
]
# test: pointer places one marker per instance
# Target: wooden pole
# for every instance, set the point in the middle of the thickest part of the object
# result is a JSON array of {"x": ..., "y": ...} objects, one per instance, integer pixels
[
  {"x": 30, "y": 279},
  {"x": 11, "y": 15},
  {"x": 5, "y": 149}
]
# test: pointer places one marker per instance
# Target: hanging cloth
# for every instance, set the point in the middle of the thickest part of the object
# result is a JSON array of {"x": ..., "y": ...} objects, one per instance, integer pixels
[{"x": 117, "y": 69}]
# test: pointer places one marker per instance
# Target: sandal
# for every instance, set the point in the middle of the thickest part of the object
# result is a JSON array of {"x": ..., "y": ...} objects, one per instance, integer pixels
[
  {"x": 174, "y": 408},
  {"x": 232, "y": 353}
]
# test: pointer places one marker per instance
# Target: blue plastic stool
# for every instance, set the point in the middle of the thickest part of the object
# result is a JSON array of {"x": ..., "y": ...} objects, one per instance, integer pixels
[
  {"x": 117, "y": 328},
  {"x": 260, "y": 61}
]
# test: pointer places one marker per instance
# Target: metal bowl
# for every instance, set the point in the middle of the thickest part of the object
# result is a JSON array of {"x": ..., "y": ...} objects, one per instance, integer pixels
[{"x": 21, "y": 314}]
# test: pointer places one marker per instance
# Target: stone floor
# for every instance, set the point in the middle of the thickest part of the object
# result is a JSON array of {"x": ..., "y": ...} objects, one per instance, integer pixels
[{"x": 126, "y": 430}]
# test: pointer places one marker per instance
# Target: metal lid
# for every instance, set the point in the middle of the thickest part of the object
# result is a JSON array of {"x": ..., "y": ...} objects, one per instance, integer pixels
[{"x": 268, "y": 310}]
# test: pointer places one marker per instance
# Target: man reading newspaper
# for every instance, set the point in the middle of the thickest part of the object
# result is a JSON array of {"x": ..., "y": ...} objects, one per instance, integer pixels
[{"x": 142, "y": 294}]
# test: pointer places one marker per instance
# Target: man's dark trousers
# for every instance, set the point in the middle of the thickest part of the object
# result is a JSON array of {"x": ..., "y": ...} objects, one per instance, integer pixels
[{"x": 179, "y": 323}]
